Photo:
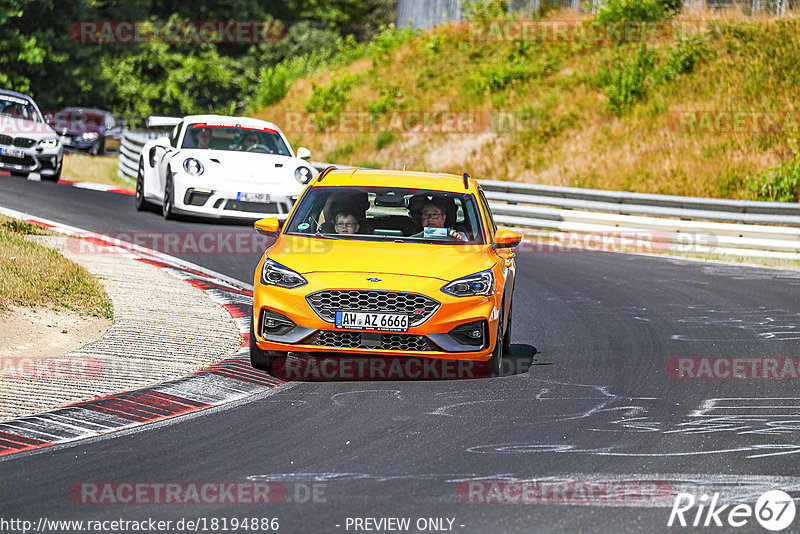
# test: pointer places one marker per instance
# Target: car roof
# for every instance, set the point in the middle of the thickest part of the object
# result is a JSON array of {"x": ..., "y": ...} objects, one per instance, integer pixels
[
  {"x": 14, "y": 93},
  {"x": 437, "y": 181},
  {"x": 225, "y": 120},
  {"x": 83, "y": 110}
]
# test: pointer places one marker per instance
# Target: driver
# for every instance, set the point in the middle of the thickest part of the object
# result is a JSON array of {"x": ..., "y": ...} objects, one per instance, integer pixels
[
  {"x": 204, "y": 137},
  {"x": 434, "y": 217},
  {"x": 249, "y": 140}
]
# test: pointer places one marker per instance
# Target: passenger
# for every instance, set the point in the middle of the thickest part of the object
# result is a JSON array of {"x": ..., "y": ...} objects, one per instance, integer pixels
[{"x": 346, "y": 223}]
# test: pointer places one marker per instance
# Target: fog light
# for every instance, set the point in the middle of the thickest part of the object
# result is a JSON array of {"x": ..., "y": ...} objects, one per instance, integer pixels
[
  {"x": 472, "y": 334},
  {"x": 275, "y": 324}
]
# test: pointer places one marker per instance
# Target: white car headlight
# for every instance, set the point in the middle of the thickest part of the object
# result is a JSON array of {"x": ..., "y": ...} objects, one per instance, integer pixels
[
  {"x": 275, "y": 274},
  {"x": 481, "y": 283},
  {"x": 49, "y": 143},
  {"x": 89, "y": 136},
  {"x": 193, "y": 167},
  {"x": 303, "y": 174}
]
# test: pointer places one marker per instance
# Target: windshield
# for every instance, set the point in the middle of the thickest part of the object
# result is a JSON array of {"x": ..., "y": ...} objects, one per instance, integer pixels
[
  {"x": 235, "y": 138},
  {"x": 78, "y": 121},
  {"x": 388, "y": 214},
  {"x": 18, "y": 108}
]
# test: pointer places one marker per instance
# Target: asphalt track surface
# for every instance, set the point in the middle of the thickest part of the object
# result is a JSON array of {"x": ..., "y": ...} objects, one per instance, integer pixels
[{"x": 589, "y": 401}]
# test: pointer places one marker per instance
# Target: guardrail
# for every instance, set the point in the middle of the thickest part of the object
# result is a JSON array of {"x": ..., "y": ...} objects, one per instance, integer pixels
[
  {"x": 685, "y": 224},
  {"x": 130, "y": 147},
  {"x": 733, "y": 228}
]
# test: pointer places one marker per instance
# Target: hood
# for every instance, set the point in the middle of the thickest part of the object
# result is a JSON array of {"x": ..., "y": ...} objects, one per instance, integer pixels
[
  {"x": 245, "y": 166},
  {"x": 444, "y": 262},
  {"x": 25, "y": 128}
]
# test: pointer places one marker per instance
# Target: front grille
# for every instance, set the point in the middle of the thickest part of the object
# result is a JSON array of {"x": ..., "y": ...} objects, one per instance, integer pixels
[
  {"x": 24, "y": 142},
  {"x": 354, "y": 340},
  {"x": 251, "y": 207},
  {"x": 6, "y": 139},
  {"x": 418, "y": 307},
  {"x": 27, "y": 161},
  {"x": 195, "y": 198}
]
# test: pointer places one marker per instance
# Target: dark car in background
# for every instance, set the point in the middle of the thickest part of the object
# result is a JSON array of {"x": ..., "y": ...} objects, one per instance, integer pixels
[
  {"x": 29, "y": 147},
  {"x": 88, "y": 130}
]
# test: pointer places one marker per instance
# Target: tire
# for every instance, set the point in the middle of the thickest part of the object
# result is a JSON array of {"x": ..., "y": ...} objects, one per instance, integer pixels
[
  {"x": 507, "y": 336},
  {"x": 141, "y": 203},
  {"x": 101, "y": 151},
  {"x": 19, "y": 174},
  {"x": 169, "y": 198},
  {"x": 496, "y": 361},
  {"x": 259, "y": 359},
  {"x": 57, "y": 176}
]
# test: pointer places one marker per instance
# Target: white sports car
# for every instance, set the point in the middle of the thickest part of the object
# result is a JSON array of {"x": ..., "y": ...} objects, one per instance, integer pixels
[{"x": 217, "y": 166}]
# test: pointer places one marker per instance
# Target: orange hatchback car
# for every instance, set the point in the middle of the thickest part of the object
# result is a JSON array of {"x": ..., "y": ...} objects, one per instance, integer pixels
[{"x": 385, "y": 263}]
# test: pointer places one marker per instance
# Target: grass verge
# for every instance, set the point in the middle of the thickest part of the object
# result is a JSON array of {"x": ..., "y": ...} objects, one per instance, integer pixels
[
  {"x": 652, "y": 115},
  {"x": 98, "y": 169},
  {"x": 33, "y": 275}
]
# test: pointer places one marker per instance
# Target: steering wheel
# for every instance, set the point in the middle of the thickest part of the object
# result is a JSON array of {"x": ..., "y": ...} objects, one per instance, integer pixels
[{"x": 259, "y": 148}]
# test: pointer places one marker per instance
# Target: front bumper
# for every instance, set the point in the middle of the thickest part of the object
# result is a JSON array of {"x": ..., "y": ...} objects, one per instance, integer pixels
[
  {"x": 307, "y": 332},
  {"x": 76, "y": 142},
  {"x": 192, "y": 198},
  {"x": 45, "y": 161}
]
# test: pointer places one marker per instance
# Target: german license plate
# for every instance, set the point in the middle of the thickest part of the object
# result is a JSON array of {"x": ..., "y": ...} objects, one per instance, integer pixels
[
  {"x": 253, "y": 197},
  {"x": 391, "y": 322},
  {"x": 12, "y": 152}
]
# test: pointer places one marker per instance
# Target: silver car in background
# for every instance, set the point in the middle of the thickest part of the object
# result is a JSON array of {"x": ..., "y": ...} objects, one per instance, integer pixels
[{"x": 29, "y": 147}]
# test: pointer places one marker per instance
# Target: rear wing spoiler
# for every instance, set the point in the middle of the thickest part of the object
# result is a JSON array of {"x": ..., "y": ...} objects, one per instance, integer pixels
[{"x": 162, "y": 122}]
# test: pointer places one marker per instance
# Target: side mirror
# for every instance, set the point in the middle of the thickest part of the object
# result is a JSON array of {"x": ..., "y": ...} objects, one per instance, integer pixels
[
  {"x": 268, "y": 227},
  {"x": 506, "y": 238},
  {"x": 303, "y": 153}
]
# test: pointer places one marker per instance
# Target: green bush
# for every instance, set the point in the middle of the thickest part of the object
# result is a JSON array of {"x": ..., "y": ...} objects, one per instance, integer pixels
[
  {"x": 628, "y": 79},
  {"x": 383, "y": 45},
  {"x": 384, "y": 139},
  {"x": 328, "y": 100},
  {"x": 780, "y": 183},
  {"x": 682, "y": 58},
  {"x": 634, "y": 10},
  {"x": 388, "y": 101},
  {"x": 522, "y": 62},
  {"x": 484, "y": 9}
]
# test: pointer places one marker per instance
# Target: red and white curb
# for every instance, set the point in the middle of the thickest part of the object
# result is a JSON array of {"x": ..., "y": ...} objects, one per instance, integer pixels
[
  {"x": 97, "y": 187},
  {"x": 226, "y": 381}
]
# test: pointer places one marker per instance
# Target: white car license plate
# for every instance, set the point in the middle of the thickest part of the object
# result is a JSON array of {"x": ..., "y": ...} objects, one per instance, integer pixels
[
  {"x": 253, "y": 197},
  {"x": 12, "y": 152},
  {"x": 391, "y": 322}
]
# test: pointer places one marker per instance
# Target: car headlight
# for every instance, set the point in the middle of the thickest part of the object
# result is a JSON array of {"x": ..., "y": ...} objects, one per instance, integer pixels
[
  {"x": 193, "y": 167},
  {"x": 481, "y": 283},
  {"x": 89, "y": 136},
  {"x": 275, "y": 274},
  {"x": 303, "y": 174},
  {"x": 49, "y": 143}
]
